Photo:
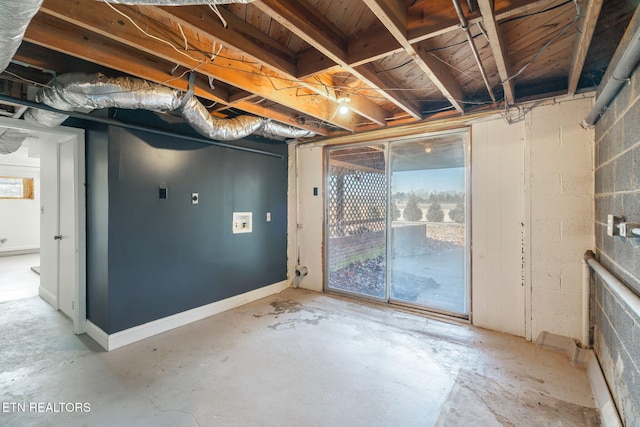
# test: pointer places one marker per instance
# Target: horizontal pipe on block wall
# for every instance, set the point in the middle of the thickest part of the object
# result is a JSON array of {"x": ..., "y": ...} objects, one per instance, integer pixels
[
  {"x": 112, "y": 122},
  {"x": 619, "y": 289}
]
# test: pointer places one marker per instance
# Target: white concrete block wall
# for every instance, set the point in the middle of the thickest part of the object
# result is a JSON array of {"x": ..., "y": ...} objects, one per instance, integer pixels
[{"x": 560, "y": 154}]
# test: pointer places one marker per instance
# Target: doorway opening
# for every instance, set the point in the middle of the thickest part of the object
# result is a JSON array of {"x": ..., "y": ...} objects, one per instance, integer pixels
[
  {"x": 60, "y": 214},
  {"x": 397, "y": 222}
]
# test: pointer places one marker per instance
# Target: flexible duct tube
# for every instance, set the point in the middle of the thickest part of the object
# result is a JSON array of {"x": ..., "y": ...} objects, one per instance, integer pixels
[
  {"x": 618, "y": 77},
  {"x": 11, "y": 140},
  {"x": 83, "y": 92},
  {"x": 15, "y": 16}
]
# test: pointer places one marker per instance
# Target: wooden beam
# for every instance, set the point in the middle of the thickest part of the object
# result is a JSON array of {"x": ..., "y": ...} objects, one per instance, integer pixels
[
  {"x": 387, "y": 12},
  {"x": 308, "y": 24},
  {"x": 108, "y": 23},
  {"x": 583, "y": 40},
  {"x": 239, "y": 35},
  {"x": 54, "y": 34},
  {"x": 496, "y": 41},
  {"x": 251, "y": 42}
]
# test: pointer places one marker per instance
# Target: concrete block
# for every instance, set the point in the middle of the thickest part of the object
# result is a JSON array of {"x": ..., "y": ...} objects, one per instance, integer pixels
[
  {"x": 631, "y": 132},
  {"x": 599, "y": 232},
  {"x": 623, "y": 99},
  {"x": 635, "y": 86},
  {"x": 598, "y": 184},
  {"x": 600, "y": 131},
  {"x": 636, "y": 167},
  {"x": 543, "y": 183},
  {"x": 615, "y": 140},
  {"x": 631, "y": 206},
  {"x": 571, "y": 278},
  {"x": 547, "y": 276},
  {"x": 580, "y": 182},
  {"x": 565, "y": 207},
  {"x": 602, "y": 204},
  {"x": 624, "y": 326},
  {"x": 602, "y": 151},
  {"x": 623, "y": 175},
  {"x": 556, "y": 312},
  {"x": 628, "y": 397},
  {"x": 606, "y": 177},
  {"x": 577, "y": 230},
  {"x": 547, "y": 230}
]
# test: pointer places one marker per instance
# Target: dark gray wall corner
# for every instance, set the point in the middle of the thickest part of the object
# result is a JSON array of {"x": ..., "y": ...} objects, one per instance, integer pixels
[
  {"x": 166, "y": 256},
  {"x": 617, "y": 192}
]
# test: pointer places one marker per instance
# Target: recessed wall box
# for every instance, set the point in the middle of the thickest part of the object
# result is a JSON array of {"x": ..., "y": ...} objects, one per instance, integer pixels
[{"x": 242, "y": 222}]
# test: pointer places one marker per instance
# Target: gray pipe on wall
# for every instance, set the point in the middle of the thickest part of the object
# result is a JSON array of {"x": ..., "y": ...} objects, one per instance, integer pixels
[{"x": 619, "y": 76}]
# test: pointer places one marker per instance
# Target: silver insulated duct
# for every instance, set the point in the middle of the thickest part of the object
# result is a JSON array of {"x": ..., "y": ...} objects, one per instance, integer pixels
[
  {"x": 15, "y": 16},
  {"x": 85, "y": 93},
  {"x": 11, "y": 139}
]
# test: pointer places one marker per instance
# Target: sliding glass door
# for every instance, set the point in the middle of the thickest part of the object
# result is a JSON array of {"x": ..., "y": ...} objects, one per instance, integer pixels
[
  {"x": 428, "y": 261},
  {"x": 357, "y": 226},
  {"x": 397, "y": 222}
]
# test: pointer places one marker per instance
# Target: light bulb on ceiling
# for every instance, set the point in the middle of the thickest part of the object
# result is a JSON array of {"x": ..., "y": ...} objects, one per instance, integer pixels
[{"x": 343, "y": 101}]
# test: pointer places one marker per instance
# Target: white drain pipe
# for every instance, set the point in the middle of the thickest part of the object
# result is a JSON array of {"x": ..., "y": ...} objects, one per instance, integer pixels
[{"x": 620, "y": 74}]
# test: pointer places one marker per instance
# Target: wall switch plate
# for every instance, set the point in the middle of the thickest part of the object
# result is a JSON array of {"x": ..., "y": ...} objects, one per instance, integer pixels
[
  {"x": 194, "y": 198},
  {"x": 163, "y": 192},
  {"x": 268, "y": 216},
  {"x": 612, "y": 224},
  {"x": 242, "y": 222}
]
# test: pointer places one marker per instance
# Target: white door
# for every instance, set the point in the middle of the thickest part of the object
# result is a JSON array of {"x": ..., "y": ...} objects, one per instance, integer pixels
[
  {"x": 67, "y": 233},
  {"x": 62, "y": 249}
]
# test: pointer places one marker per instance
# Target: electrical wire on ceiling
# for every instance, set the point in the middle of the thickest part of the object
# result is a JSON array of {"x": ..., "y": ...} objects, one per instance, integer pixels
[
  {"x": 562, "y": 31},
  {"x": 209, "y": 58},
  {"x": 515, "y": 18}
]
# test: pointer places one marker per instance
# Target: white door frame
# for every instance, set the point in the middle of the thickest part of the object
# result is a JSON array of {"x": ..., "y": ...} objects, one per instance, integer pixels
[{"x": 62, "y": 135}]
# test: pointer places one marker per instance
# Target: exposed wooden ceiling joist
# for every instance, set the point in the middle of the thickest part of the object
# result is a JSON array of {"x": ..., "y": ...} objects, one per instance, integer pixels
[
  {"x": 589, "y": 19},
  {"x": 309, "y": 25},
  {"x": 497, "y": 48},
  {"x": 393, "y": 15}
]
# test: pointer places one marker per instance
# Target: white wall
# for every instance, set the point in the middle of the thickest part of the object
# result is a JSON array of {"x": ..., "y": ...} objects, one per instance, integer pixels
[
  {"x": 310, "y": 218},
  {"x": 20, "y": 219},
  {"x": 497, "y": 229},
  {"x": 532, "y": 216},
  {"x": 560, "y": 152}
]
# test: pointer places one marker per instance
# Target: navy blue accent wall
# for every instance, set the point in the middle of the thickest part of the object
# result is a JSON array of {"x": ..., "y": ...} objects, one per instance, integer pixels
[{"x": 166, "y": 256}]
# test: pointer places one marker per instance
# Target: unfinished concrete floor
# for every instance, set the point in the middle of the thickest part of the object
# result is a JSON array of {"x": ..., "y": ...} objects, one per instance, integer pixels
[{"x": 294, "y": 359}]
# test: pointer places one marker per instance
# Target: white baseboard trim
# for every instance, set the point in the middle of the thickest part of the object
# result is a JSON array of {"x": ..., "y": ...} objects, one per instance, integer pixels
[
  {"x": 137, "y": 333},
  {"x": 24, "y": 250},
  {"x": 98, "y": 335},
  {"x": 50, "y": 298},
  {"x": 604, "y": 401}
]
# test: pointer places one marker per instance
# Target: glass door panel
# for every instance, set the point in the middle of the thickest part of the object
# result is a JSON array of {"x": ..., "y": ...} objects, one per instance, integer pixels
[
  {"x": 428, "y": 255},
  {"x": 356, "y": 214}
]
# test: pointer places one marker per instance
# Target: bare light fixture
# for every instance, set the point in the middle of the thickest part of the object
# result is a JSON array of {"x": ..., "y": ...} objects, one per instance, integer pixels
[{"x": 344, "y": 107}]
